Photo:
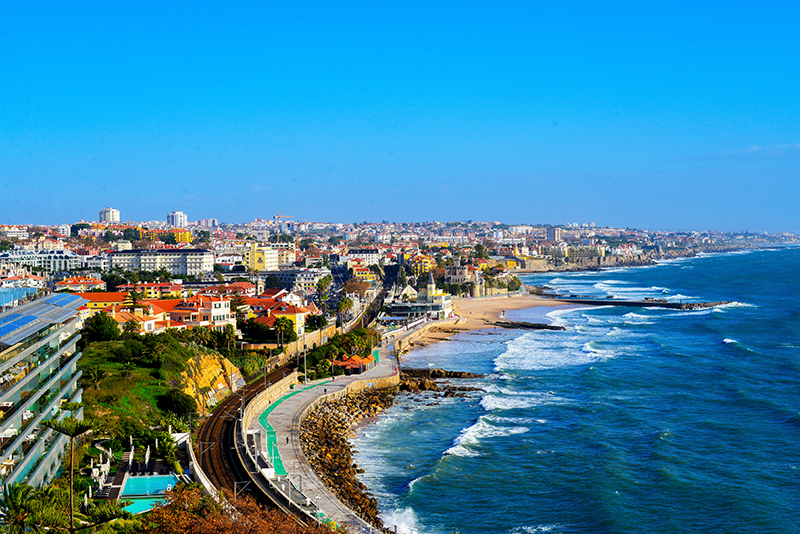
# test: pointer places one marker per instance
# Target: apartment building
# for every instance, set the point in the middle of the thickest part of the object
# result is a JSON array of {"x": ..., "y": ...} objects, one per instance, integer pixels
[
  {"x": 38, "y": 372},
  {"x": 204, "y": 310},
  {"x": 109, "y": 215},
  {"x": 187, "y": 261},
  {"x": 49, "y": 260}
]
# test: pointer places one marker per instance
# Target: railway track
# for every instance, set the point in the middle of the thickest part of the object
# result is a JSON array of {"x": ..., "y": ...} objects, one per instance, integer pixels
[{"x": 216, "y": 447}]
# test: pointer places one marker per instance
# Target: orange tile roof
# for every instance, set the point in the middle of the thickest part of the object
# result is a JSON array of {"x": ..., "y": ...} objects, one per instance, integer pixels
[
  {"x": 105, "y": 296},
  {"x": 265, "y": 320},
  {"x": 80, "y": 280}
]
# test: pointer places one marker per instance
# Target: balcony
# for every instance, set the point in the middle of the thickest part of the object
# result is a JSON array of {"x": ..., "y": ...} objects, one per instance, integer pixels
[
  {"x": 16, "y": 381},
  {"x": 36, "y": 341},
  {"x": 40, "y": 453},
  {"x": 53, "y": 381}
]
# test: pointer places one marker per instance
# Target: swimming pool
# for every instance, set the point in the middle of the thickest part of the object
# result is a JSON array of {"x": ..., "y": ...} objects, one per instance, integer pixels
[
  {"x": 148, "y": 485},
  {"x": 143, "y": 505}
]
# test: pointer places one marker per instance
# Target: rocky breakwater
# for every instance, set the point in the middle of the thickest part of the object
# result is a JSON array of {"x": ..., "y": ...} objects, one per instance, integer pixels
[
  {"x": 420, "y": 380},
  {"x": 324, "y": 437},
  {"x": 521, "y": 325}
]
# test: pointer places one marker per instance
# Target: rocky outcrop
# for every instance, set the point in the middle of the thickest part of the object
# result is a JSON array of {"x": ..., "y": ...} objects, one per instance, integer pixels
[
  {"x": 705, "y": 305},
  {"x": 324, "y": 437},
  {"x": 209, "y": 377},
  {"x": 420, "y": 380},
  {"x": 436, "y": 374}
]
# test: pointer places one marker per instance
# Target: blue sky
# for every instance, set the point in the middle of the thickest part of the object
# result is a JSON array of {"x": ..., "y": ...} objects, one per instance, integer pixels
[{"x": 676, "y": 116}]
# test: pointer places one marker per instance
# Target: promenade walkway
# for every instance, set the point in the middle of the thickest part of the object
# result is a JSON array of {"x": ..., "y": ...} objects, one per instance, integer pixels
[{"x": 281, "y": 420}]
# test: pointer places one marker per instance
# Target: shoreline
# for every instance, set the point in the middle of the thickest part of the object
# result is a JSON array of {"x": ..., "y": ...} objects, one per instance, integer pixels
[{"x": 479, "y": 314}]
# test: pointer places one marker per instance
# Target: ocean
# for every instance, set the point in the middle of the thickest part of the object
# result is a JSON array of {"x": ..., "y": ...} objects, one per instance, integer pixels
[{"x": 632, "y": 420}]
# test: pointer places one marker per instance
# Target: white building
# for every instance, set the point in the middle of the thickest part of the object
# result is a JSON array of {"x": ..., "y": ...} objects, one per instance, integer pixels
[
  {"x": 298, "y": 279},
  {"x": 20, "y": 232},
  {"x": 49, "y": 260},
  {"x": 109, "y": 215},
  {"x": 368, "y": 256},
  {"x": 178, "y": 219},
  {"x": 188, "y": 261}
]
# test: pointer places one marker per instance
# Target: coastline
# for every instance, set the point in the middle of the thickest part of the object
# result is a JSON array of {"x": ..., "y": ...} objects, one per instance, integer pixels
[{"x": 479, "y": 314}]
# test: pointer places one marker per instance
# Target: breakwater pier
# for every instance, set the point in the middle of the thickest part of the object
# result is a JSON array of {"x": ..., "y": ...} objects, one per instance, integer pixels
[{"x": 647, "y": 303}]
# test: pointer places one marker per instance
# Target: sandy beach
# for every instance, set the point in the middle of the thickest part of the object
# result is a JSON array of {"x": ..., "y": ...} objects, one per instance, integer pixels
[{"x": 477, "y": 314}]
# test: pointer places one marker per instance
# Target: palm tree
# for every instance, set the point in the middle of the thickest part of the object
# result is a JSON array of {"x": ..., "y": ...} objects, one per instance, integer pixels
[
  {"x": 202, "y": 335},
  {"x": 15, "y": 507},
  {"x": 131, "y": 326},
  {"x": 344, "y": 305},
  {"x": 71, "y": 427},
  {"x": 282, "y": 326},
  {"x": 96, "y": 375}
]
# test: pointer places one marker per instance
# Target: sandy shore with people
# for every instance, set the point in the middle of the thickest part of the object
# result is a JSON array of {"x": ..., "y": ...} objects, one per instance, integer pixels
[{"x": 478, "y": 314}]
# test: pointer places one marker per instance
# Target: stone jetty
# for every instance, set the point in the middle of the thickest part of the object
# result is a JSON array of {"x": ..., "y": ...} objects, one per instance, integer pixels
[{"x": 521, "y": 325}]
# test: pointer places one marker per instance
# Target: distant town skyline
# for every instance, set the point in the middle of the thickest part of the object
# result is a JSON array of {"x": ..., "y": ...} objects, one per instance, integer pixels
[{"x": 678, "y": 117}]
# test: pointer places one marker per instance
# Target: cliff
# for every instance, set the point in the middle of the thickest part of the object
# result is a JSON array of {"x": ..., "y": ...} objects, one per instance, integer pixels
[{"x": 209, "y": 377}]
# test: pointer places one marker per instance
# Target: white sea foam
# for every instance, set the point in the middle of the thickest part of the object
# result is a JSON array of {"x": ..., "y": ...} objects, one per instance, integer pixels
[
  {"x": 536, "y": 351},
  {"x": 592, "y": 348},
  {"x": 404, "y": 519},
  {"x": 534, "y": 529},
  {"x": 637, "y": 318},
  {"x": 735, "y": 305},
  {"x": 529, "y": 400},
  {"x": 512, "y": 420},
  {"x": 727, "y": 340},
  {"x": 482, "y": 429},
  {"x": 411, "y": 484}
]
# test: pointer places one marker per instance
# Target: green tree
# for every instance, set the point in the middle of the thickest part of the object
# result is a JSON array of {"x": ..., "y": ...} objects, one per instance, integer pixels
[
  {"x": 77, "y": 227},
  {"x": 273, "y": 282},
  {"x": 203, "y": 236},
  {"x": 17, "y": 508},
  {"x": 283, "y": 325},
  {"x": 131, "y": 234},
  {"x": 95, "y": 374},
  {"x": 168, "y": 238},
  {"x": 71, "y": 427},
  {"x": 6, "y": 245},
  {"x": 100, "y": 327},
  {"x": 402, "y": 277},
  {"x": 132, "y": 300},
  {"x": 177, "y": 402},
  {"x": 238, "y": 303},
  {"x": 324, "y": 283},
  {"x": 344, "y": 305},
  {"x": 110, "y": 236},
  {"x": 315, "y": 322},
  {"x": 113, "y": 279}
]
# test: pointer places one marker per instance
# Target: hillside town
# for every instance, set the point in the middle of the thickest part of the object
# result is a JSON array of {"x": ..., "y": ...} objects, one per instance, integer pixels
[{"x": 192, "y": 311}]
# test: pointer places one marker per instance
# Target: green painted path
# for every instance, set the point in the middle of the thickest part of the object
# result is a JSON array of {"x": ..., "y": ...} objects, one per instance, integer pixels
[{"x": 272, "y": 439}]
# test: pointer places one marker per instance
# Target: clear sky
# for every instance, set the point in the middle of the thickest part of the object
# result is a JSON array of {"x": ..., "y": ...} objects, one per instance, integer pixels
[{"x": 668, "y": 115}]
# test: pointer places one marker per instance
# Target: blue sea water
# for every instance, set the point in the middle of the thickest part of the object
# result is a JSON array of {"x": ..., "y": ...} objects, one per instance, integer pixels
[{"x": 631, "y": 420}]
